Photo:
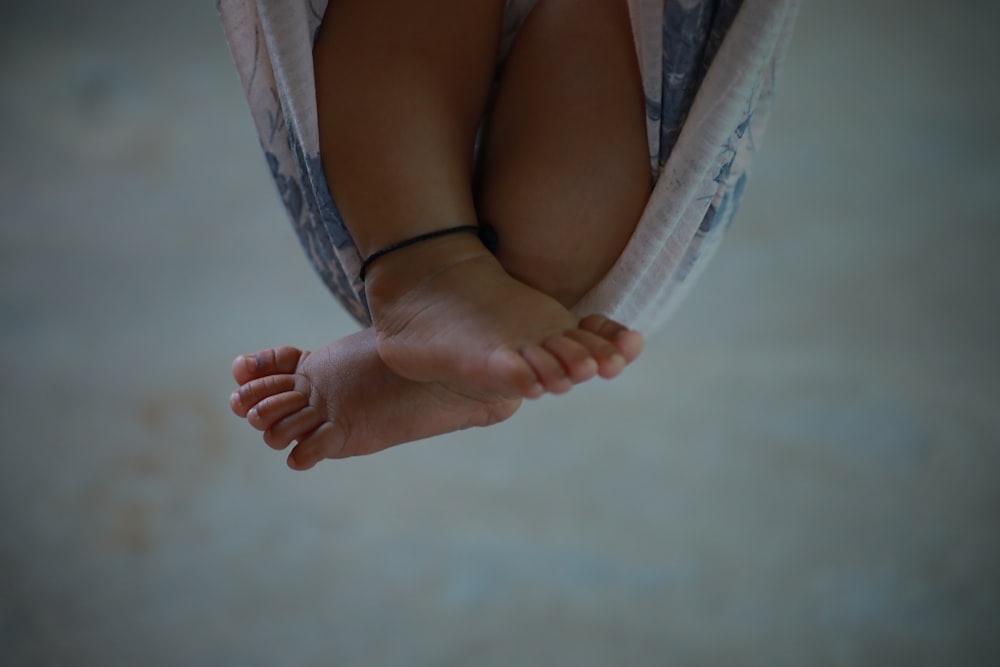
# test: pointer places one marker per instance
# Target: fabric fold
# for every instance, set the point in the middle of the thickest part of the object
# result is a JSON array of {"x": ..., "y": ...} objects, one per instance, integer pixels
[{"x": 708, "y": 69}]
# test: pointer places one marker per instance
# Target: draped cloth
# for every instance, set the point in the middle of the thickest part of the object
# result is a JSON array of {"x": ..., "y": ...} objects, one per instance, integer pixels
[{"x": 708, "y": 69}]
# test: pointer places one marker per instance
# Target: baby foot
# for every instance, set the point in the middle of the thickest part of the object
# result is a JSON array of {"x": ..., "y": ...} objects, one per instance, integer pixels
[
  {"x": 446, "y": 311},
  {"x": 341, "y": 400}
]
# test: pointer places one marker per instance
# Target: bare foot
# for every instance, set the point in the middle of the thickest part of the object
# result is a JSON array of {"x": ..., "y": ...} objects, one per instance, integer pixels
[
  {"x": 342, "y": 400},
  {"x": 447, "y": 311}
]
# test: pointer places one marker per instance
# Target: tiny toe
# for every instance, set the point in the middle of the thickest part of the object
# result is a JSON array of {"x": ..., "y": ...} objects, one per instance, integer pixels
[
  {"x": 249, "y": 367},
  {"x": 253, "y": 392},
  {"x": 628, "y": 342},
  {"x": 610, "y": 362},
  {"x": 244, "y": 368},
  {"x": 306, "y": 454},
  {"x": 293, "y": 427},
  {"x": 547, "y": 368},
  {"x": 236, "y": 405},
  {"x": 302, "y": 460},
  {"x": 275, "y": 408},
  {"x": 602, "y": 326},
  {"x": 576, "y": 359},
  {"x": 327, "y": 441}
]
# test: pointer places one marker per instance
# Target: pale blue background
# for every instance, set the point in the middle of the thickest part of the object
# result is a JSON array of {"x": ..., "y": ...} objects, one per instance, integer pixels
[{"x": 802, "y": 470}]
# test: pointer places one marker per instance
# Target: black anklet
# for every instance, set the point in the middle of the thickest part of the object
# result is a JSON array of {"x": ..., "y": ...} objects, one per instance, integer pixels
[{"x": 485, "y": 233}]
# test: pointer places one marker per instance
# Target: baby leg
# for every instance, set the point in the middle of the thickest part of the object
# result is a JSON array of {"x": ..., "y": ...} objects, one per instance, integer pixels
[
  {"x": 566, "y": 167},
  {"x": 401, "y": 87}
]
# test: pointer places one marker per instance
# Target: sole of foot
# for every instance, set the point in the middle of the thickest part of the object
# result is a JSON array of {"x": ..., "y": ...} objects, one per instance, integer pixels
[
  {"x": 448, "y": 312},
  {"x": 341, "y": 400}
]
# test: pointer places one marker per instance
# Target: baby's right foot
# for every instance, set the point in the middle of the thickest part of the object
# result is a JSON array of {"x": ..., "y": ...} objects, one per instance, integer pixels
[
  {"x": 446, "y": 311},
  {"x": 342, "y": 400}
]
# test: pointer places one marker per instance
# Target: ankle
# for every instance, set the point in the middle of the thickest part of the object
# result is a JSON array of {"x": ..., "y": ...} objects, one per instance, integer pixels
[
  {"x": 398, "y": 272},
  {"x": 485, "y": 233}
]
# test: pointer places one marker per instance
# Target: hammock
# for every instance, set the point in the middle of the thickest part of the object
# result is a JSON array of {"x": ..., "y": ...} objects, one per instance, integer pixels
[{"x": 708, "y": 69}]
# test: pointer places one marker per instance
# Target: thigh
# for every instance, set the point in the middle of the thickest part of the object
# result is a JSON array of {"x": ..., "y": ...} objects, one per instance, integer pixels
[{"x": 565, "y": 161}]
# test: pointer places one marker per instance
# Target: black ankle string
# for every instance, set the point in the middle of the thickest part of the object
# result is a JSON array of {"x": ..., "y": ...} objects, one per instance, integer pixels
[{"x": 485, "y": 233}]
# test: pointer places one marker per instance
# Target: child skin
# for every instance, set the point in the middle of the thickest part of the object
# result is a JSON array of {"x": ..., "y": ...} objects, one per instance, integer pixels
[{"x": 461, "y": 335}]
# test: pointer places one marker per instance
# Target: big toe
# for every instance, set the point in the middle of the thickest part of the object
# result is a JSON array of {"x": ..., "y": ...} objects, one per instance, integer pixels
[
  {"x": 516, "y": 372},
  {"x": 325, "y": 442}
]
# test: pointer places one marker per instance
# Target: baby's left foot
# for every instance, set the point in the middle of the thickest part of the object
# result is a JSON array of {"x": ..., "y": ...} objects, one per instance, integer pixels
[{"x": 342, "y": 400}]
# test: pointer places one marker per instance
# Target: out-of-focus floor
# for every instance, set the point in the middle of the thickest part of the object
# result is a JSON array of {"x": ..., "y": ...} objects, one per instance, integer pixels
[{"x": 804, "y": 469}]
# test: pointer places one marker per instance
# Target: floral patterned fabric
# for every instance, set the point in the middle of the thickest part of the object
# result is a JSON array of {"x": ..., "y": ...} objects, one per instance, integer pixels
[{"x": 708, "y": 70}]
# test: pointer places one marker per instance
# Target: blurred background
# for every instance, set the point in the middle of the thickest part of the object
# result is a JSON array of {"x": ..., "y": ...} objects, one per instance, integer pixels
[{"x": 804, "y": 469}]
